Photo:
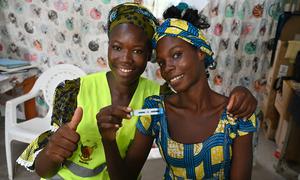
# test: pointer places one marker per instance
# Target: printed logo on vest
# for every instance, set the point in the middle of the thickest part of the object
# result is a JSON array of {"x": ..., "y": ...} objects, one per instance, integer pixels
[{"x": 86, "y": 152}]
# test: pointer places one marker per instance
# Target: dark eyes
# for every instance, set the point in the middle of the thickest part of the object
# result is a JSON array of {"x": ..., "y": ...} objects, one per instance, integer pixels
[
  {"x": 115, "y": 47},
  {"x": 138, "y": 51},
  {"x": 177, "y": 55},
  {"x": 161, "y": 64}
]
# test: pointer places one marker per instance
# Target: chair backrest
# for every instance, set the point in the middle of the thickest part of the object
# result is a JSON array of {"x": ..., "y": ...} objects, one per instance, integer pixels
[{"x": 51, "y": 78}]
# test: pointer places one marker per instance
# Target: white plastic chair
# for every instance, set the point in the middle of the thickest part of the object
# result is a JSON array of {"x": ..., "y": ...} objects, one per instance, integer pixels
[{"x": 28, "y": 130}]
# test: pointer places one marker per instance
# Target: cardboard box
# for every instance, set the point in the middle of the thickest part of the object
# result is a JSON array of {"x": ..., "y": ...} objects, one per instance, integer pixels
[
  {"x": 287, "y": 140},
  {"x": 281, "y": 66},
  {"x": 283, "y": 98},
  {"x": 291, "y": 29},
  {"x": 281, "y": 134}
]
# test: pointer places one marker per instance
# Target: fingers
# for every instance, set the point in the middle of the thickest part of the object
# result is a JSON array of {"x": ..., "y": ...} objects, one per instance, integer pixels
[
  {"x": 109, "y": 119},
  {"x": 68, "y": 143},
  {"x": 230, "y": 103},
  {"x": 113, "y": 114},
  {"x": 235, "y": 103},
  {"x": 77, "y": 116}
]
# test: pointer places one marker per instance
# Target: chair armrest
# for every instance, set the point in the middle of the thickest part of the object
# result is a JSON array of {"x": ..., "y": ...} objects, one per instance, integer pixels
[{"x": 11, "y": 107}]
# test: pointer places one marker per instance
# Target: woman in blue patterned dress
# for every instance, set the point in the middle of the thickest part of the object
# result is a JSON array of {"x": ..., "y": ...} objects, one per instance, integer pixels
[{"x": 196, "y": 135}]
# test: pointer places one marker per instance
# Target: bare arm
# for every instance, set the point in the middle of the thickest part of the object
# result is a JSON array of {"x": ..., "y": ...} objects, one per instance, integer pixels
[
  {"x": 241, "y": 167},
  {"x": 130, "y": 167},
  {"x": 109, "y": 120}
]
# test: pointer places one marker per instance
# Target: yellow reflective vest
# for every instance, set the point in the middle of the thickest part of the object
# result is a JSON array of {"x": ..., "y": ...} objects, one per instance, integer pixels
[{"x": 88, "y": 161}]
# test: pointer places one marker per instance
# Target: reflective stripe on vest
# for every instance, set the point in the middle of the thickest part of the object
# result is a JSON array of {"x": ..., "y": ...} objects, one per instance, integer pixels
[
  {"x": 82, "y": 171},
  {"x": 56, "y": 177}
]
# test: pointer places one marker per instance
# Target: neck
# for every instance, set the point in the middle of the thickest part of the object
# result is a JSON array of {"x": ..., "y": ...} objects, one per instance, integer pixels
[
  {"x": 120, "y": 89},
  {"x": 197, "y": 98}
]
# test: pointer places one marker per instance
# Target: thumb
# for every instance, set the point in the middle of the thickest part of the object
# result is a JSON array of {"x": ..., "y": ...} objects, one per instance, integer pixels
[
  {"x": 230, "y": 103},
  {"x": 77, "y": 116}
]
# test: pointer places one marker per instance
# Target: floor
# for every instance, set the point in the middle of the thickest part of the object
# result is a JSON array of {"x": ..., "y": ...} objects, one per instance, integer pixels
[{"x": 153, "y": 169}]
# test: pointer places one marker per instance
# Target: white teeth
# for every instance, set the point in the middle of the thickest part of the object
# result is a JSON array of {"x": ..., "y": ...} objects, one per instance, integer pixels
[
  {"x": 176, "y": 78},
  {"x": 125, "y": 70}
]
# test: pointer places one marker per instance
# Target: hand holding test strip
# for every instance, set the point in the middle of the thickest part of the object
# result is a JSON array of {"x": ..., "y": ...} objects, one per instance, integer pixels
[{"x": 143, "y": 112}]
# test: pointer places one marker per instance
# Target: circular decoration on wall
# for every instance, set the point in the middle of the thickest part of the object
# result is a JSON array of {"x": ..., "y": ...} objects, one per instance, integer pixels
[
  {"x": 215, "y": 11},
  {"x": 229, "y": 11},
  {"x": 275, "y": 10},
  {"x": 61, "y": 5},
  {"x": 235, "y": 26},
  {"x": 101, "y": 62},
  {"x": 250, "y": 47},
  {"x": 258, "y": 10},
  {"x": 236, "y": 44},
  {"x": 95, "y": 14},
  {"x": 19, "y": 7},
  {"x": 245, "y": 81},
  {"x": 106, "y": 1},
  {"x": 12, "y": 18},
  {"x": 52, "y": 15},
  {"x": 69, "y": 23},
  {"x": 76, "y": 38},
  {"x": 218, "y": 79},
  {"x": 69, "y": 53},
  {"x": 29, "y": 27},
  {"x": 4, "y": 4},
  {"x": 13, "y": 49},
  {"x": 60, "y": 37},
  {"x": 237, "y": 66},
  {"x": 35, "y": 10},
  {"x": 38, "y": 45},
  {"x": 93, "y": 46},
  {"x": 218, "y": 29}
]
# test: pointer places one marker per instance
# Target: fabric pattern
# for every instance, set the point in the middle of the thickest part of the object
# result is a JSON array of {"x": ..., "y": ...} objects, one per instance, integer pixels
[
  {"x": 209, "y": 159},
  {"x": 187, "y": 32},
  {"x": 135, "y": 14}
]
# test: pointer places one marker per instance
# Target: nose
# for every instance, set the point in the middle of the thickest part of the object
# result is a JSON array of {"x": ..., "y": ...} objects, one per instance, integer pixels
[
  {"x": 169, "y": 67},
  {"x": 127, "y": 57}
]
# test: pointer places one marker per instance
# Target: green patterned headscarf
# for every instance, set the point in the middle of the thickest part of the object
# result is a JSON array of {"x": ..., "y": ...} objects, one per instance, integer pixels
[{"x": 132, "y": 13}]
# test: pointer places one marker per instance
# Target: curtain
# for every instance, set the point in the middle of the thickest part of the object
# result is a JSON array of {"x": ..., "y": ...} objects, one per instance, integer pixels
[{"x": 49, "y": 32}]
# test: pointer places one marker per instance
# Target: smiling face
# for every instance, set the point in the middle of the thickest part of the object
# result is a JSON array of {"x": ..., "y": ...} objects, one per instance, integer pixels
[
  {"x": 128, "y": 52},
  {"x": 181, "y": 64}
]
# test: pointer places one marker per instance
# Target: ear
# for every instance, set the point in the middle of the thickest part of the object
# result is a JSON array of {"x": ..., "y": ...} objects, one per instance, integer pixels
[{"x": 201, "y": 54}]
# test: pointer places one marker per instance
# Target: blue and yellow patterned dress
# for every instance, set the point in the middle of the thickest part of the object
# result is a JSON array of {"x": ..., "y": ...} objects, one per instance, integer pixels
[{"x": 210, "y": 159}]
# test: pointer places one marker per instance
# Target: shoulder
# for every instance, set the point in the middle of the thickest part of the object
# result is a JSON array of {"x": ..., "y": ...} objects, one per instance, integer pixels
[
  {"x": 154, "y": 101},
  {"x": 149, "y": 82},
  {"x": 94, "y": 76},
  {"x": 239, "y": 126}
]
